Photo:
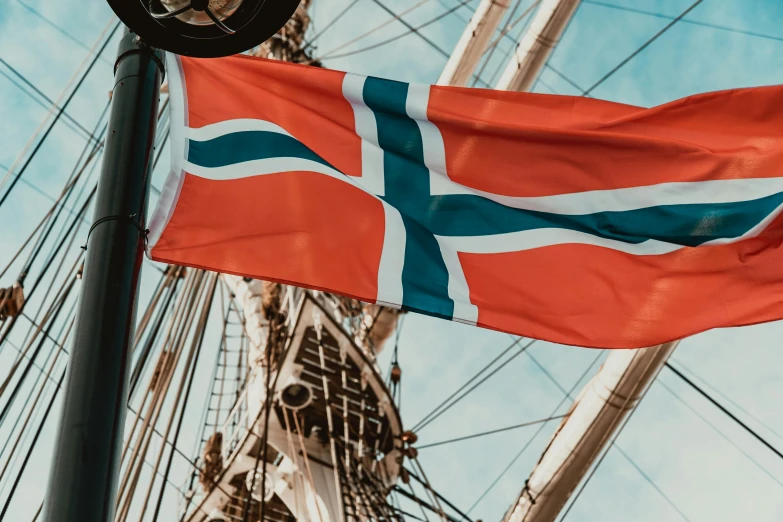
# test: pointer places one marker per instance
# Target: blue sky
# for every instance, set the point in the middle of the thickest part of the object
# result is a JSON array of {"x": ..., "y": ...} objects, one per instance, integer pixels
[{"x": 697, "y": 466}]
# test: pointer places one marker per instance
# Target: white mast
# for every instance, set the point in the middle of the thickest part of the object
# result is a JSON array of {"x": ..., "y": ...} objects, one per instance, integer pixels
[
  {"x": 595, "y": 416},
  {"x": 537, "y": 44},
  {"x": 615, "y": 391},
  {"x": 473, "y": 43}
]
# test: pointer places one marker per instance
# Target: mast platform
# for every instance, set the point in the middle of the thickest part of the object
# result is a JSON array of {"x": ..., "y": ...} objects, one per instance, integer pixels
[{"x": 334, "y": 437}]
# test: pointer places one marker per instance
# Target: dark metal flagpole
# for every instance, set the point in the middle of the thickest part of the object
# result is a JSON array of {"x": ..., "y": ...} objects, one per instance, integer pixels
[{"x": 83, "y": 477}]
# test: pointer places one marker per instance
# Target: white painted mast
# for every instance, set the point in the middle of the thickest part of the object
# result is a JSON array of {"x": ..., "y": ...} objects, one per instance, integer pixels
[
  {"x": 473, "y": 43},
  {"x": 607, "y": 400},
  {"x": 537, "y": 44},
  {"x": 596, "y": 415}
]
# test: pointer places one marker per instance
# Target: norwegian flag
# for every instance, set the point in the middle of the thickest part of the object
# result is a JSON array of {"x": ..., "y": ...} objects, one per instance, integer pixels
[{"x": 572, "y": 220}]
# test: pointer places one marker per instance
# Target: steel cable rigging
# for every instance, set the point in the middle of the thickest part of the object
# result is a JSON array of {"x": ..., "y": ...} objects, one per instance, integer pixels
[
  {"x": 397, "y": 37},
  {"x": 692, "y": 22},
  {"x": 641, "y": 48},
  {"x": 724, "y": 410},
  {"x": 717, "y": 430},
  {"x": 57, "y": 116},
  {"x": 428, "y": 417},
  {"x": 539, "y": 430}
]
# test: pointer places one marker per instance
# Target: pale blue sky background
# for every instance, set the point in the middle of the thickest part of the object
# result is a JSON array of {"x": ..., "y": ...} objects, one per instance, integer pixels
[{"x": 697, "y": 466}]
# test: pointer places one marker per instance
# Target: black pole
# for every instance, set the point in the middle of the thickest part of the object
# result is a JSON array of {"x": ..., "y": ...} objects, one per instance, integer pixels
[{"x": 83, "y": 477}]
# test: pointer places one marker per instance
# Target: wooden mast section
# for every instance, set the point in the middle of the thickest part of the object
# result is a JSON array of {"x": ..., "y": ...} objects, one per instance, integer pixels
[
  {"x": 537, "y": 44},
  {"x": 595, "y": 417},
  {"x": 473, "y": 43}
]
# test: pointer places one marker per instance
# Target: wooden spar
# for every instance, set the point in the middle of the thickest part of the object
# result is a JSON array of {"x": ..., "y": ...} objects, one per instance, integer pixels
[
  {"x": 596, "y": 415},
  {"x": 537, "y": 44},
  {"x": 473, "y": 43},
  {"x": 623, "y": 380}
]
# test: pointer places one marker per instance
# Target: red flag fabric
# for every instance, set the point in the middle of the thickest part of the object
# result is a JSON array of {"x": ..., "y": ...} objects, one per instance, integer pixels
[{"x": 573, "y": 220}]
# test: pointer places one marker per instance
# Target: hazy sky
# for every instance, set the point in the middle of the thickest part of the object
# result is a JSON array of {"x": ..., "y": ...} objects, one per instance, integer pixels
[{"x": 708, "y": 468}]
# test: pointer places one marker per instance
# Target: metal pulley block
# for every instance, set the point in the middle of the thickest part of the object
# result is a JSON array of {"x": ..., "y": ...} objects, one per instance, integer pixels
[{"x": 396, "y": 373}]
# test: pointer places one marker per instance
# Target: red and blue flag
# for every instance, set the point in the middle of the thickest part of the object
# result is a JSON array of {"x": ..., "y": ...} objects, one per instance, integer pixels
[{"x": 573, "y": 220}]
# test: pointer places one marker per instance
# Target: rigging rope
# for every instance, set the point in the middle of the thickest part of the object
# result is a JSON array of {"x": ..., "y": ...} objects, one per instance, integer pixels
[
  {"x": 69, "y": 121},
  {"x": 198, "y": 341},
  {"x": 333, "y": 21},
  {"x": 641, "y": 48},
  {"x": 60, "y": 29},
  {"x": 723, "y": 395},
  {"x": 205, "y": 302},
  {"x": 650, "y": 481},
  {"x": 717, "y": 430},
  {"x": 412, "y": 29},
  {"x": 441, "y": 497},
  {"x": 533, "y": 437},
  {"x": 692, "y": 22},
  {"x": 568, "y": 80},
  {"x": 433, "y": 415},
  {"x": 54, "y": 121},
  {"x": 723, "y": 409},
  {"x": 492, "y": 432},
  {"x": 32, "y": 446},
  {"x": 37, "y": 189},
  {"x": 168, "y": 362},
  {"x": 373, "y": 30},
  {"x": 394, "y": 38}
]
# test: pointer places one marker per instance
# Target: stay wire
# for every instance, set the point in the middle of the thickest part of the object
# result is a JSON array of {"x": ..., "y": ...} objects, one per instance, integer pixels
[
  {"x": 57, "y": 307},
  {"x": 69, "y": 121},
  {"x": 333, "y": 21},
  {"x": 538, "y": 431},
  {"x": 40, "y": 277},
  {"x": 465, "y": 385},
  {"x": 723, "y": 409},
  {"x": 727, "y": 398},
  {"x": 43, "y": 122},
  {"x": 427, "y": 420},
  {"x": 568, "y": 80},
  {"x": 51, "y": 102},
  {"x": 512, "y": 50},
  {"x": 66, "y": 195},
  {"x": 24, "y": 434},
  {"x": 492, "y": 432},
  {"x": 59, "y": 29},
  {"x": 72, "y": 180},
  {"x": 427, "y": 486},
  {"x": 373, "y": 30},
  {"x": 412, "y": 29},
  {"x": 641, "y": 48},
  {"x": 202, "y": 331},
  {"x": 530, "y": 343},
  {"x": 179, "y": 452},
  {"x": 717, "y": 430},
  {"x": 692, "y": 22},
  {"x": 32, "y": 446},
  {"x": 59, "y": 114},
  {"x": 37, "y": 189},
  {"x": 397, "y": 37},
  {"x": 651, "y": 483}
]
